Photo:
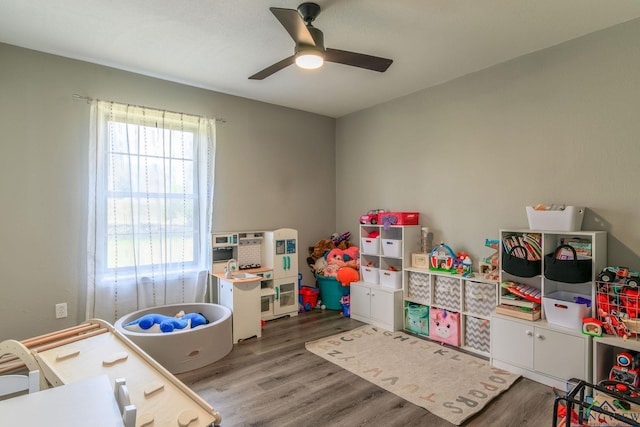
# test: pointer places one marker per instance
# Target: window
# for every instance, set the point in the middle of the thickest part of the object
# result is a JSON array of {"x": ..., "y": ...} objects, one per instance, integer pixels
[{"x": 152, "y": 181}]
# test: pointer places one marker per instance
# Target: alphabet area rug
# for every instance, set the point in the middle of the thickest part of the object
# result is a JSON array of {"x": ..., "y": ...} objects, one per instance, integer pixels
[{"x": 448, "y": 383}]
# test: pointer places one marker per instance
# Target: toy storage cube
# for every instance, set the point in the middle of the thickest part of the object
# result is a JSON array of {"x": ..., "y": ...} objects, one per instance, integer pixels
[
  {"x": 370, "y": 274},
  {"x": 479, "y": 298},
  {"x": 390, "y": 279},
  {"x": 371, "y": 246},
  {"x": 444, "y": 326},
  {"x": 447, "y": 292},
  {"x": 417, "y": 319},
  {"x": 419, "y": 286},
  {"x": 392, "y": 248},
  {"x": 561, "y": 308},
  {"x": 477, "y": 333}
]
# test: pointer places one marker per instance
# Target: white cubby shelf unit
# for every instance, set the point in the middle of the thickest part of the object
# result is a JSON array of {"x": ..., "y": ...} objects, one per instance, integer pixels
[
  {"x": 473, "y": 297},
  {"x": 385, "y": 252},
  {"x": 546, "y": 350}
]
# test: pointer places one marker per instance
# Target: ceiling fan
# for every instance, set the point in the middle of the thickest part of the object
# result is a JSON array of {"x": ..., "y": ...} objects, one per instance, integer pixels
[{"x": 310, "y": 51}]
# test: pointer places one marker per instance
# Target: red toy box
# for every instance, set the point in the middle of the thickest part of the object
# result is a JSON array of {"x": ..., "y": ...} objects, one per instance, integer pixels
[{"x": 399, "y": 218}]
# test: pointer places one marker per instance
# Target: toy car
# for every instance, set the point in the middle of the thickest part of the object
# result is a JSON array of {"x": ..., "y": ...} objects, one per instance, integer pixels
[
  {"x": 627, "y": 277},
  {"x": 371, "y": 217}
]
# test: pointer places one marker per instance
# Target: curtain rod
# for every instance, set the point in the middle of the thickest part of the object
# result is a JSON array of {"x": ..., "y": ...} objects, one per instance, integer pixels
[{"x": 77, "y": 97}]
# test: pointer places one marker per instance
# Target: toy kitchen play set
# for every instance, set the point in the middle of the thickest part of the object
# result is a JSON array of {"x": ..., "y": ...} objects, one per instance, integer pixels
[{"x": 270, "y": 258}]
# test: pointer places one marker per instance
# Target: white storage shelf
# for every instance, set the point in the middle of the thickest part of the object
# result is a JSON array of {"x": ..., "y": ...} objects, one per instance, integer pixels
[
  {"x": 522, "y": 345},
  {"x": 384, "y": 254},
  {"x": 473, "y": 297}
]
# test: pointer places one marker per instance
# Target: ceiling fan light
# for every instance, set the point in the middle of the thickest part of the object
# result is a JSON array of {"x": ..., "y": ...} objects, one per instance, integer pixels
[{"x": 309, "y": 59}]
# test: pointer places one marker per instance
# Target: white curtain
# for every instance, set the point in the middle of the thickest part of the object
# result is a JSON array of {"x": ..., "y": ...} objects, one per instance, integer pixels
[{"x": 150, "y": 208}]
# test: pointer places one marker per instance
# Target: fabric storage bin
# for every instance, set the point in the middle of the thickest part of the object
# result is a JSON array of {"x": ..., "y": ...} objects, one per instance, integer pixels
[
  {"x": 479, "y": 298},
  {"x": 419, "y": 286},
  {"x": 370, "y": 274},
  {"x": 331, "y": 292},
  {"x": 444, "y": 326},
  {"x": 446, "y": 292},
  {"x": 477, "y": 334},
  {"x": 417, "y": 319},
  {"x": 563, "y": 308},
  {"x": 391, "y": 248},
  {"x": 568, "y": 219},
  {"x": 390, "y": 279},
  {"x": 575, "y": 269},
  {"x": 371, "y": 246},
  {"x": 518, "y": 266}
]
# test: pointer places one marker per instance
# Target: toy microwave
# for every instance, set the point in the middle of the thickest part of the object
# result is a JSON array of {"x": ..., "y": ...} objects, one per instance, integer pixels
[{"x": 223, "y": 240}]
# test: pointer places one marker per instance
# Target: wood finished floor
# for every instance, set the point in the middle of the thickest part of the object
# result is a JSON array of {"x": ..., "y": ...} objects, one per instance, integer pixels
[{"x": 275, "y": 381}]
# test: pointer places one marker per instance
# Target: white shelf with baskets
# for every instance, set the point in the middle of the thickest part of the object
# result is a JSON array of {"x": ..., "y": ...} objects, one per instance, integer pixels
[
  {"x": 377, "y": 298},
  {"x": 551, "y": 349}
]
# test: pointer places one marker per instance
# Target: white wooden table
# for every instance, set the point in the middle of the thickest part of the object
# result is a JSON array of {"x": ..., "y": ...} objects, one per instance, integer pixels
[{"x": 89, "y": 402}]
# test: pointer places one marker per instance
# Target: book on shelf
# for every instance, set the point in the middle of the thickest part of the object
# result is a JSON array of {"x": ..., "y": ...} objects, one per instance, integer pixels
[
  {"x": 530, "y": 241},
  {"x": 582, "y": 247}
]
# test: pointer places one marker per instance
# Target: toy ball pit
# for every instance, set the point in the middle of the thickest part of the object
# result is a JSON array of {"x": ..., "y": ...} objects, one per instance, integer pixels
[
  {"x": 184, "y": 350},
  {"x": 331, "y": 291}
]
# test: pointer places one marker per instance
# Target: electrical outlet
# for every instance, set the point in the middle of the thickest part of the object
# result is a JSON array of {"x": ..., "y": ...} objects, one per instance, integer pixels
[{"x": 61, "y": 310}]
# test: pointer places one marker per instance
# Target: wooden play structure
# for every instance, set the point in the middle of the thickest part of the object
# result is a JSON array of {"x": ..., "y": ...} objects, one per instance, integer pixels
[{"x": 96, "y": 348}]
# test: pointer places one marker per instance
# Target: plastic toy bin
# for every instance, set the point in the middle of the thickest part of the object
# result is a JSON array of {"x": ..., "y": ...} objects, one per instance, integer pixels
[
  {"x": 331, "y": 291},
  {"x": 399, "y": 218},
  {"x": 370, "y": 246},
  {"x": 370, "y": 274},
  {"x": 561, "y": 309},
  {"x": 568, "y": 219},
  {"x": 390, "y": 279},
  {"x": 391, "y": 248}
]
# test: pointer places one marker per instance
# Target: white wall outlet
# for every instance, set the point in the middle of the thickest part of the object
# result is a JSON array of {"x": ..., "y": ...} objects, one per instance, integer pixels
[{"x": 61, "y": 310}]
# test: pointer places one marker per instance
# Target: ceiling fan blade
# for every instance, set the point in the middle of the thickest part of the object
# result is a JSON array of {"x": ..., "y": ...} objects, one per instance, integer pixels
[
  {"x": 273, "y": 68},
  {"x": 295, "y": 26},
  {"x": 374, "y": 63}
]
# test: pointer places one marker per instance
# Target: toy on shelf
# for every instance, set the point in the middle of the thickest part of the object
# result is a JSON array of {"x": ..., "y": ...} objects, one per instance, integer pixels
[
  {"x": 489, "y": 266},
  {"x": 621, "y": 275},
  {"x": 529, "y": 293},
  {"x": 592, "y": 326},
  {"x": 441, "y": 258},
  {"x": 371, "y": 217},
  {"x": 462, "y": 265},
  {"x": 618, "y": 308},
  {"x": 627, "y": 369}
]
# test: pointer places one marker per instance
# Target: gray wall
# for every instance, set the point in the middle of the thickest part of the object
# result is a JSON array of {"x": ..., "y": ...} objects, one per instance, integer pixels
[
  {"x": 271, "y": 172},
  {"x": 560, "y": 125}
]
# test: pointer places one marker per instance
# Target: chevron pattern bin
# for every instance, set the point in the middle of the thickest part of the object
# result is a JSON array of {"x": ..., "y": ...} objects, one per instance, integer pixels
[
  {"x": 479, "y": 298},
  {"x": 447, "y": 293},
  {"x": 477, "y": 334},
  {"x": 419, "y": 286}
]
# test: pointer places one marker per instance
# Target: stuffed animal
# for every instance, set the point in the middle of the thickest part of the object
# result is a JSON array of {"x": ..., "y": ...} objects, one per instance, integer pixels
[
  {"x": 351, "y": 257},
  {"x": 321, "y": 248},
  {"x": 347, "y": 275},
  {"x": 162, "y": 323},
  {"x": 336, "y": 257}
]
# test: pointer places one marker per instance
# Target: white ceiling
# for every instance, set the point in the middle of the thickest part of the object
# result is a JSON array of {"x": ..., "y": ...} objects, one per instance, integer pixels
[{"x": 218, "y": 44}]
